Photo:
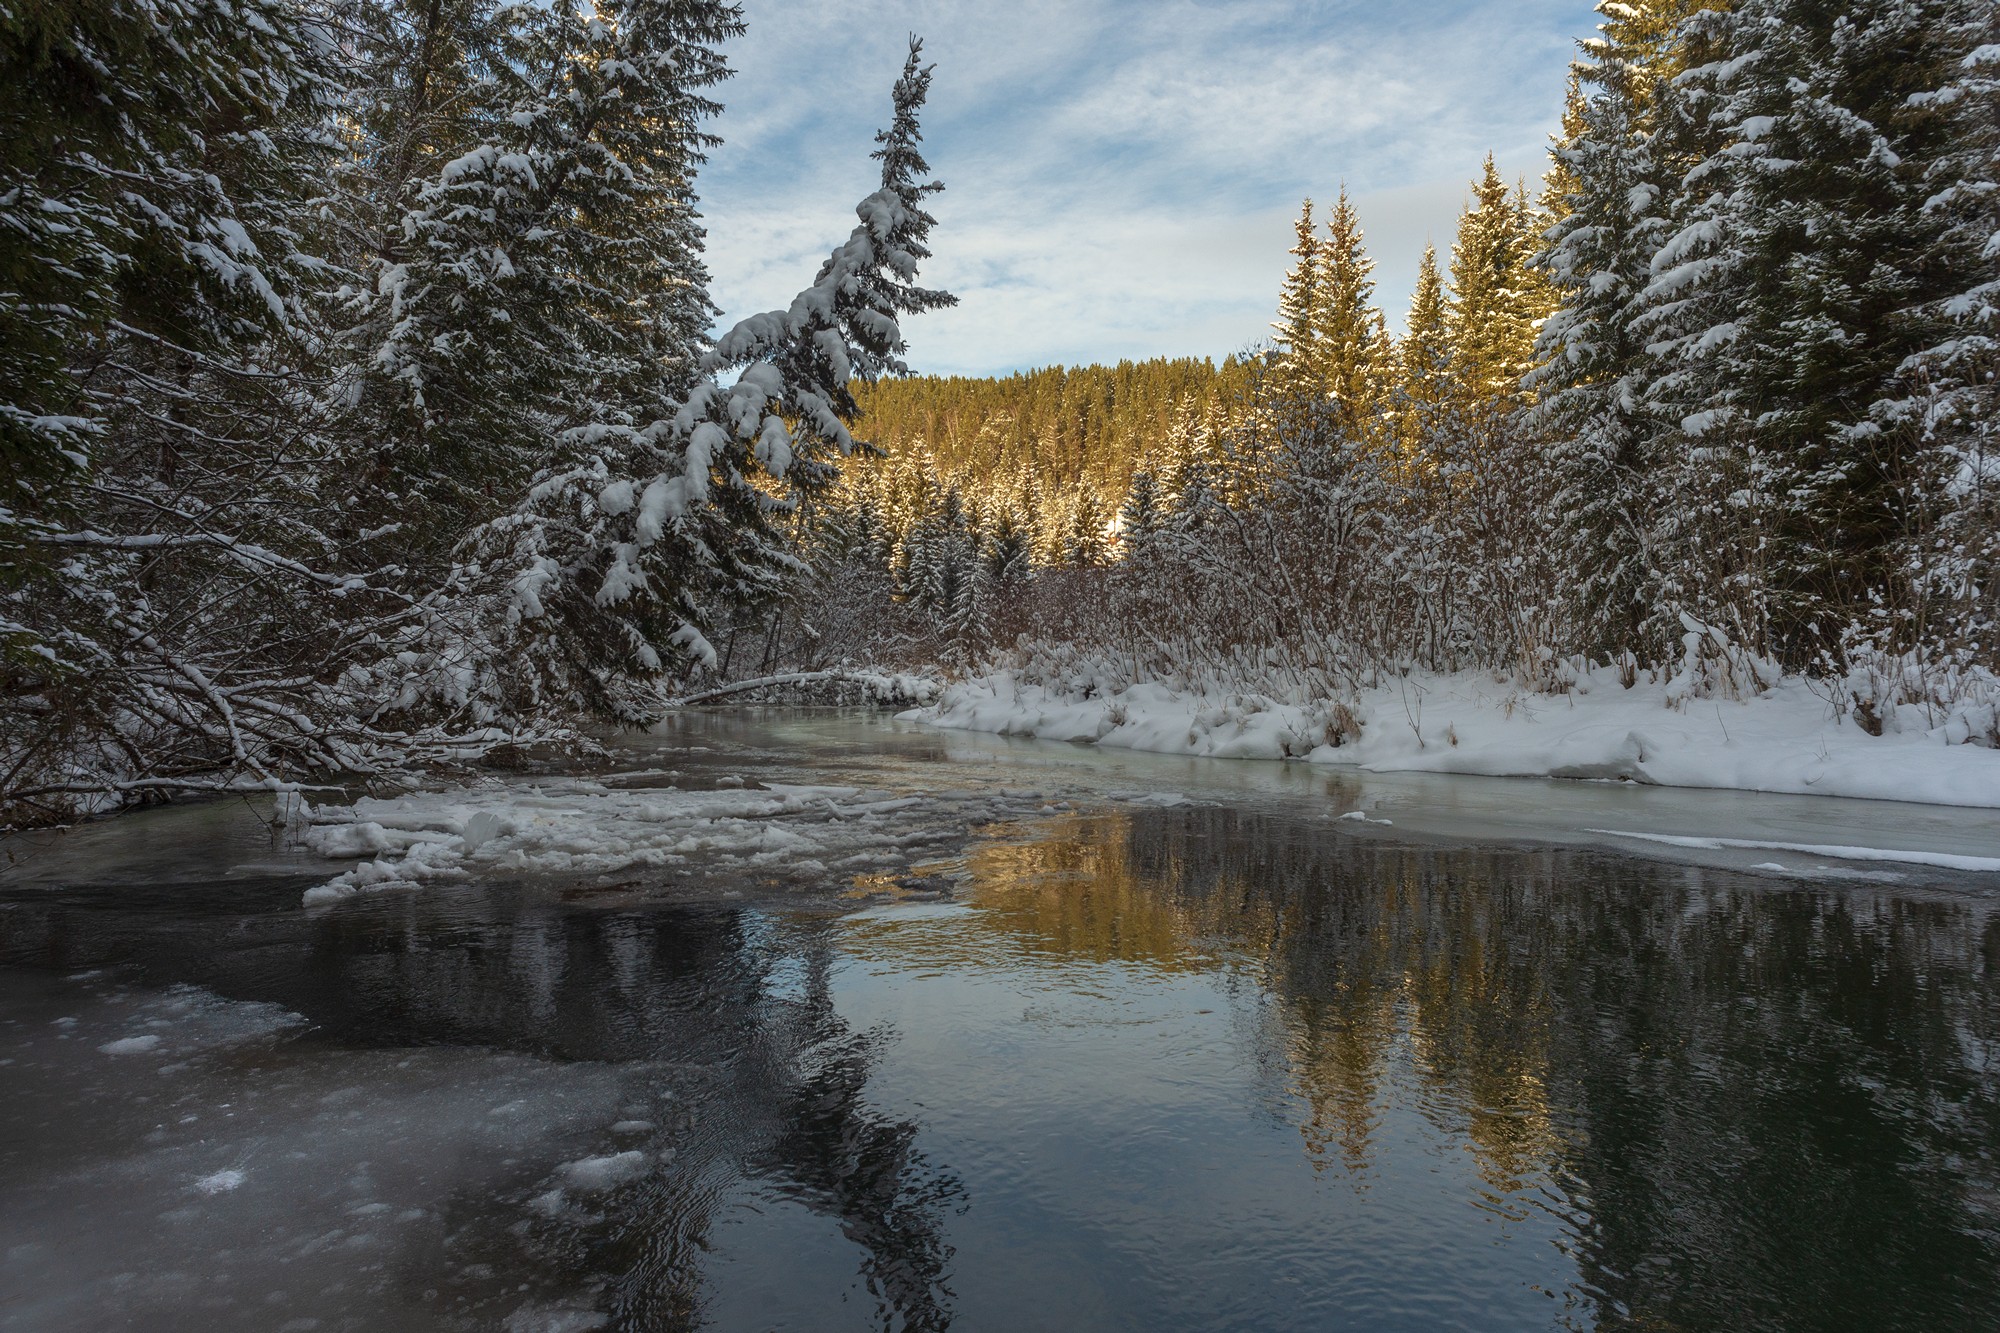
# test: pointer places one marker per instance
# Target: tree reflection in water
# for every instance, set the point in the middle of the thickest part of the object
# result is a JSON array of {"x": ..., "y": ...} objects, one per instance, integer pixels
[
  {"x": 760, "y": 1079},
  {"x": 1753, "y": 1103},
  {"x": 1735, "y": 1102},
  {"x": 720, "y": 1018}
]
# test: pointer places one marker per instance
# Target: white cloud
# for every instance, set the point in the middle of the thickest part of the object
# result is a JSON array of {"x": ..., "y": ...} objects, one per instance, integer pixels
[{"x": 1122, "y": 176}]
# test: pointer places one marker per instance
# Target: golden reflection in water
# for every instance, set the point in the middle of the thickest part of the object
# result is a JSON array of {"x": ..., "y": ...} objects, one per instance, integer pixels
[
  {"x": 1078, "y": 896},
  {"x": 1480, "y": 1024},
  {"x": 1383, "y": 965}
]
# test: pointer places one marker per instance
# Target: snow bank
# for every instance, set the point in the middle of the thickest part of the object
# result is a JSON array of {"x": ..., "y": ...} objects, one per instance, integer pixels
[
  {"x": 579, "y": 828},
  {"x": 1787, "y": 739}
]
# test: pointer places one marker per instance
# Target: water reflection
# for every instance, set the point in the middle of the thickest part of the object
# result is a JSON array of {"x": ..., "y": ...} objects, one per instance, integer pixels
[
  {"x": 739, "y": 1071},
  {"x": 1752, "y": 1106},
  {"x": 1178, "y": 1068}
]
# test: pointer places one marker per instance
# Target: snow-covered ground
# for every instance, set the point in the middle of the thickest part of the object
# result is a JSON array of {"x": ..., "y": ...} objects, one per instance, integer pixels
[{"x": 1787, "y": 739}]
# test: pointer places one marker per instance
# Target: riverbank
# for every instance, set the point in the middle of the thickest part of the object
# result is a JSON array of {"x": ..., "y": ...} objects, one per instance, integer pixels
[
  {"x": 1792, "y": 738},
  {"x": 807, "y": 804}
]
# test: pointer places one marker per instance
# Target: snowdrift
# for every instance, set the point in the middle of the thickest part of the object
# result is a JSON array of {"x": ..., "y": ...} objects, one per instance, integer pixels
[{"x": 1789, "y": 738}]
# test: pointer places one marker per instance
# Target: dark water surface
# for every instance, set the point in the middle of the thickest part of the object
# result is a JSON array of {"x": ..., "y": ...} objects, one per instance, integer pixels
[{"x": 1226, "y": 1064}]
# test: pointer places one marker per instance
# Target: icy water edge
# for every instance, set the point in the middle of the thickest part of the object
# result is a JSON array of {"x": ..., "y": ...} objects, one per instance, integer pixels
[{"x": 1096, "y": 1044}]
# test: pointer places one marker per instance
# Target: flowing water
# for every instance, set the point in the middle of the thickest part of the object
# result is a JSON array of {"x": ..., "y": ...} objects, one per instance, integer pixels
[{"x": 1163, "y": 1045}]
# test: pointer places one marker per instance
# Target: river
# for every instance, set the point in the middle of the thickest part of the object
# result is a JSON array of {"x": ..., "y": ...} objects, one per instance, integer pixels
[{"x": 1093, "y": 1042}]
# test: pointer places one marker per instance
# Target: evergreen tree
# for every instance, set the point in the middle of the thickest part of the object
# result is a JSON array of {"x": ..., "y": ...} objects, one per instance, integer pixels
[
  {"x": 157, "y": 359},
  {"x": 1493, "y": 297},
  {"x": 1048, "y": 520},
  {"x": 945, "y": 575},
  {"x": 656, "y": 560},
  {"x": 1424, "y": 355},
  {"x": 1805, "y": 274},
  {"x": 1009, "y": 557},
  {"x": 1560, "y": 182},
  {"x": 1143, "y": 515},
  {"x": 342, "y": 427},
  {"x": 1185, "y": 447},
  {"x": 1592, "y": 377},
  {"x": 1300, "y": 359},
  {"x": 1951, "y": 398},
  {"x": 1084, "y": 544},
  {"x": 533, "y": 261},
  {"x": 1188, "y": 467},
  {"x": 152, "y": 148},
  {"x": 1349, "y": 333}
]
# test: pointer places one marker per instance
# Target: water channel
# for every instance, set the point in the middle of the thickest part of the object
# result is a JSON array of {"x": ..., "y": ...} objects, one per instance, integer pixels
[{"x": 1094, "y": 1042}]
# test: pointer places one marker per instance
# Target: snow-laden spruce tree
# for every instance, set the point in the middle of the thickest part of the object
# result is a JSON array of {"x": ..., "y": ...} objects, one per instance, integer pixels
[
  {"x": 1423, "y": 358},
  {"x": 149, "y": 148},
  {"x": 530, "y": 272},
  {"x": 1607, "y": 197},
  {"x": 532, "y": 168},
  {"x": 1008, "y": 555},
  {"x": 1805, "y": 269},
  {"x": 1084, "y": 543},
  {"x": 947, "y": 577},
  {"x": 1296, "y": 327},
  {"x": 156, "y": 486},
  {"x": 1495, "y": 296},
  {"x": 1951, "y": 388},
  {"x": 630, "y": 549},
  {"x": 1143, "y": 516},
  {"x": 1348, "y": 331}
]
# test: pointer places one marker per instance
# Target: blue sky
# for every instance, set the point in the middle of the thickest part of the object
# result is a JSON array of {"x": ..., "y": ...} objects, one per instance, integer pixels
[{"x": 1122, "y": 176}]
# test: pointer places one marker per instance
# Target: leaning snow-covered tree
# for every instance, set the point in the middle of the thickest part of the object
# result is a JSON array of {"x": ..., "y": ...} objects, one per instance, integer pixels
[
  {"x": 359, "y": 408},
  {"x": 665, "y": 525},
  {"x": 529, "y": 279}
]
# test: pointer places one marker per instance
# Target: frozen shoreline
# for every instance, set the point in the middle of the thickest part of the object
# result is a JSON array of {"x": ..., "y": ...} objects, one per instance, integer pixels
[{"x": 1785, "y": 741}]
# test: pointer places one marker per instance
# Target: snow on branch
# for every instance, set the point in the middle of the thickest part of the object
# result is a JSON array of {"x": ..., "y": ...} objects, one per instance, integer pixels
[{"x": 790, "y": 401}]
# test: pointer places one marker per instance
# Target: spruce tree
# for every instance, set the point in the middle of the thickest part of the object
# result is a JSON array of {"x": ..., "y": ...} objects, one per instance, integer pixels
[
  {"x": 1951, "y": 389},
  {"x": 1424, "y": 354},
  {"x": 1009, "y": 557},
  {"x": 534, "y": 262},
  {"x": 1084, "y": 545},
  {"x": 151, "y": 150},
  {"x": 1353, "y": 347},
  {"x": 1185, "y": 448},
  {"x": 1493, "y": 297},
  {"x": 665, "y": 524},
  {"x": 1806, "y": 273},
  {"x": 1560, "y": 182},
  {"x": 1297, "y": 326},
  {"x": 158, "y": 503},
  {"x": 1606, "y": 195},
  {"x": 1143, "y": 515}
]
